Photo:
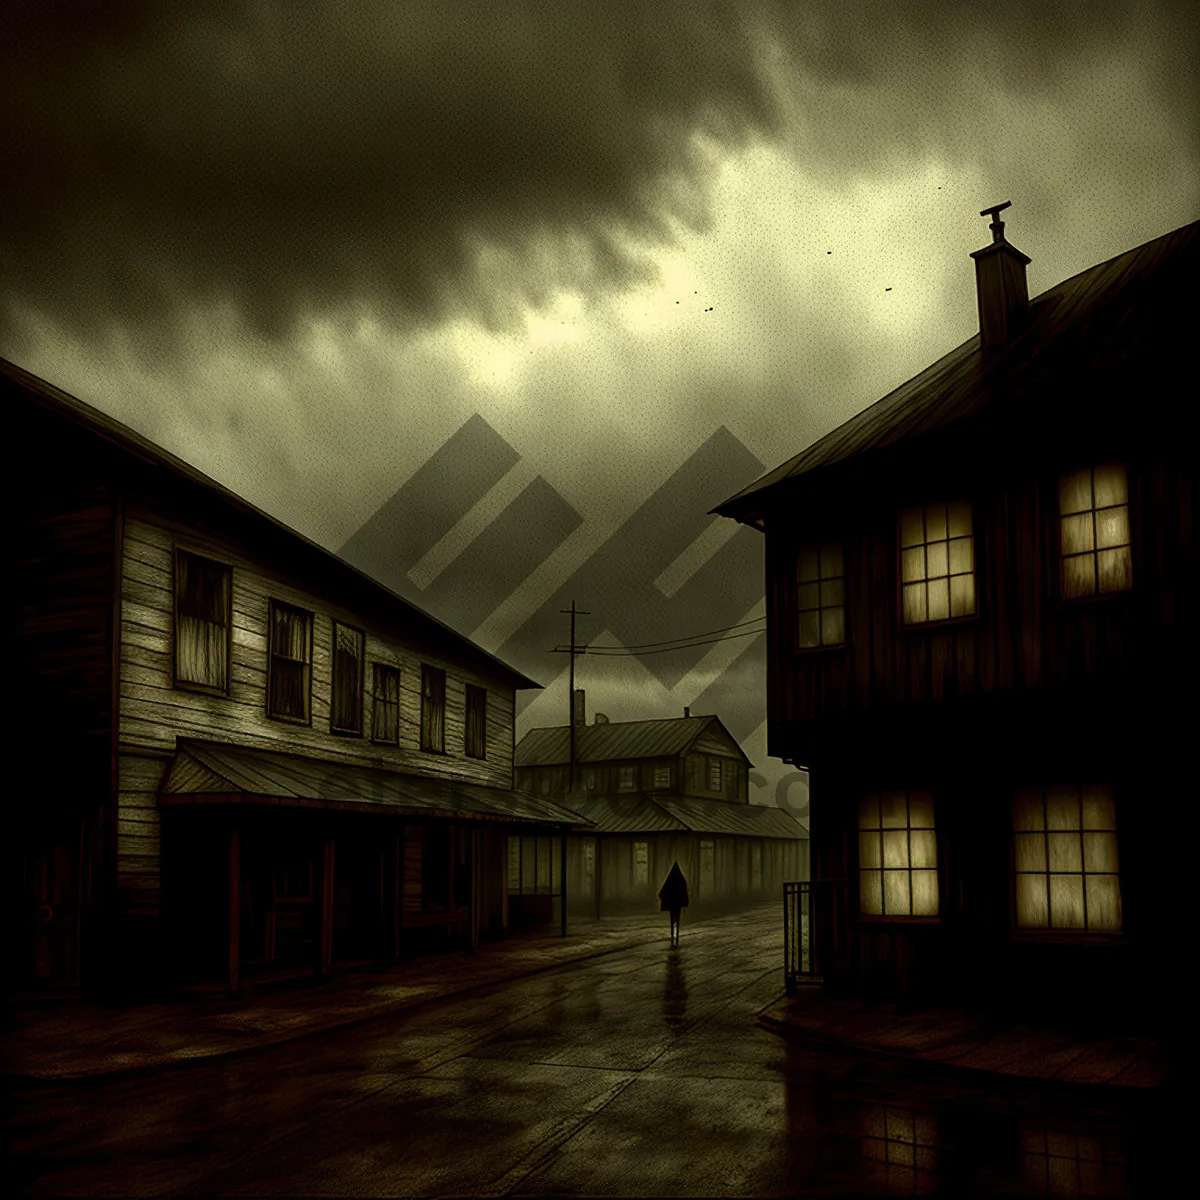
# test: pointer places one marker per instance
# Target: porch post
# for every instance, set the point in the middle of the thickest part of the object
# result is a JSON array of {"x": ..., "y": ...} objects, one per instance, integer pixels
[
  {"x": 562, "y": 879},
  {"x": 596, "y": 873},
  {"x": 397, "y": 888},
  {"x": 325, "y": 963},
  {"x": 453, "y": 856},
  {"x": 235, "y": 916},
  {"x": 476, "y": 888}
]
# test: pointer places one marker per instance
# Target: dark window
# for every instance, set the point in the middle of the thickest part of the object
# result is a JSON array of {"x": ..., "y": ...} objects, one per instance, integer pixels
[
  {"x": 820, "y": 596},
  {"x": 589, "y": 780},
  {"x": 433, "y": 708},
  {"x": 290, "y": 686},
  {"x": 476, "y": 738},
  {"x": 662, "y": 777},
  {"x": 714, "y": 774},
  {"x": 627, "y": 778},
  {"x": 385, "y": 710},
  {"x": 345, "y": 712},
  {"x": 203, "y": 598}
]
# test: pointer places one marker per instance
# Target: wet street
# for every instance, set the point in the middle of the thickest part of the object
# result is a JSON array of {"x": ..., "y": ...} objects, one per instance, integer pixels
[{"x": 638, "y": 1073}]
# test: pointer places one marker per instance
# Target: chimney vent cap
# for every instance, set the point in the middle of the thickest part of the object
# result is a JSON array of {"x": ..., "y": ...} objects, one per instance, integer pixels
[{"x": 997, "y": 225}]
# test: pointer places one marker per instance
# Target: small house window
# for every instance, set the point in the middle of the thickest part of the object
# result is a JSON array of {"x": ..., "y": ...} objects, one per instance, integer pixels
[
  {"x": 937, "y": 563},
  {"x": 821, "y": 596},
  {"x": 203, "y": 619},
  {"x": 433, "y": 708},
  {"x": 897, "y": 855},
  {"x": 476, "y": 734},
  {"x": 1065, "y": 860},
  {"x": 589, "y": 780},
  {"x": 662, "y": 777},
  {"x": 544, "y": 782},
  {"x": 627, "y": 778},
  {"x": 385, "y": 708},
  {"x": 290, "y": 686},
  {"x": 345, "y": 710},
  {"x": 1093, "y": 506},
  {"x": 714, "y": 774},
  {"x": 641, "y": 864}
]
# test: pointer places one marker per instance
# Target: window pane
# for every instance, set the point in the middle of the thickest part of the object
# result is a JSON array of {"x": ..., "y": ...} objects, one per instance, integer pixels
[
  {"x": 960, "y": 518},
  {"x": 808, "y": 595},
  {"x": 923, "y": 848},
  {"x": 1062, "y": 808},
  {"x": 807, "y": 564},
  {"x": 1116, "y": 574},
  {"x": 832, "y": 593},
  {"x": 896, "y": 899},
  {"x": 920, "y": 809},
  {"x": 1079, "y": 575},
  {"x": 1075, "y": 492},
  {"x": 831, "y": 560},
  {"x": 1030, "y": 851},
  {"x": 1112, "y": 527},
  {"x": 962, "y": 595},
  {"x": 1100, "y": 852},
  {"x": 912, "y": 564},
  {"x": 912, "y": 528},
  {"x": 869, "y": 852},
  {"x": 200, "y": 652},
  {"x": 1027, "y": 809},
  {"x": 810, "y": 631},
  {"x": 939, "y": 599},
  {"x": 1098, "y": 809},
  {"x": 833, "y": 626},
  {"x": 935, "y": 522},
  {"x": 1065, "y": 852},
  {"x": 868, "y": 811},
  {"x": 924, "y": 894},
  {"x": 1111, "y": 487},
  {"x": 937, "y": 561},
  {"x": 1066, "y": 901},
  {"x": 1077, "y": 534},
  {"x": 1103, "y": 903},
  {"x": 895, "y": 848},
  {"x": 290, "y": 633},
  {"x": 1032, "y": 910},
  {"x": 289, "y": 689},
  {"x": 894, "y": 810},
  {"x": 914, "y": 603},
  {"x": 871, "y": 893}
]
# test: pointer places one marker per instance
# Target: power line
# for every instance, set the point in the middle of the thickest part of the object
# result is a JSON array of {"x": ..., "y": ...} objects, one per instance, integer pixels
[
  {"x": 673, "y": 642},
  {"x": 619, "y": 652}
]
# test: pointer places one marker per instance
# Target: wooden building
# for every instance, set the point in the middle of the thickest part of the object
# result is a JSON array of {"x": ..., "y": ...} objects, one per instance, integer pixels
[
  {"x": 656, "y": 792},
  {"x": 981, "y": 646},
  {"x": 231, "y": 749}
]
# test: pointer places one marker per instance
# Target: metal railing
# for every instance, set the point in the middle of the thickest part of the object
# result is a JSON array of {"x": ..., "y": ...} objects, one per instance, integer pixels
[
  {"x": 814, "y": 930},
  {"x": 798, "y": 941}
]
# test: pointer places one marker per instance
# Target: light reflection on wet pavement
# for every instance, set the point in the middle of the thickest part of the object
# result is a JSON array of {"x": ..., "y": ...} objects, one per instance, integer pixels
[{"x": 637, "y": 1074}]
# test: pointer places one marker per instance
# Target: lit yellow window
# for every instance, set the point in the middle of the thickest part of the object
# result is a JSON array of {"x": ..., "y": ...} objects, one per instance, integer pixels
[
  {"x": 1093, "y": 507},
  {"x": 937, "y": 562},
  {"x": 821, "y": 595},
  {"x": 1065, "y": 860},
  {"x": 897, "y": 855}
]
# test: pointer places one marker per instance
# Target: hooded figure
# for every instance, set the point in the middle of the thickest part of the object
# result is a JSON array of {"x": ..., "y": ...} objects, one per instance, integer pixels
[{"x": 673, "y": 896}]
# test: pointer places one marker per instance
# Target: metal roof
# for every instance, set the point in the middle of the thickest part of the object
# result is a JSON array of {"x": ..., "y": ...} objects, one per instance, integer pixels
[
  {"x": 1080, "y": 323},
  {"x": 685, "y": 814},
  {"x": 663, "y": 738},
  {"x": 218, "y": 773},
  {"x": 129, "y": 440}
]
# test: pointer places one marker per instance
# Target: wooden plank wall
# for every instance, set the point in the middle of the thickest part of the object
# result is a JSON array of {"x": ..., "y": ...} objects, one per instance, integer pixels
[{"x": 139, "y": 834}]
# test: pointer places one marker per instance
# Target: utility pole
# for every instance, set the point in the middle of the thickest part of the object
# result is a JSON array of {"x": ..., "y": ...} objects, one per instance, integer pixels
[{"x": 572, "y": 650}]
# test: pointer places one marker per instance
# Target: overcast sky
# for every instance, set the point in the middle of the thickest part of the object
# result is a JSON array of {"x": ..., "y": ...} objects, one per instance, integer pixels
[{"x": 301, "y": 243}]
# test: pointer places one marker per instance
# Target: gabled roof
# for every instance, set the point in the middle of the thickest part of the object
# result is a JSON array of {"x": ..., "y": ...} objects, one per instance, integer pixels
[
  {"x": 665, "y": 738},
  {"x": 215, "y": 773},
  {"x": 684, "y": 814},
  {"x": 318, "y": 559},
  {"x": 1085, "y": 321}
]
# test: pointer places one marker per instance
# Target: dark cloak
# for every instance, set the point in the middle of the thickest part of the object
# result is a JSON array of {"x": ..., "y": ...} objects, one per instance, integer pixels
[{"x": 673, "y": 895}]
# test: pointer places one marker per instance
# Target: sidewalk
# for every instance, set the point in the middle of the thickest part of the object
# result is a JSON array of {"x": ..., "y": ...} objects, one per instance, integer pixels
[
  {"x": 958, "y": 1041},
  {"x": 74, "y": 1040}
]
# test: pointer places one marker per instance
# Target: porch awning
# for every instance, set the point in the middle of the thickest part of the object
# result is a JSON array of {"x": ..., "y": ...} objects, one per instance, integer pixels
[
  {"x": 215, "y": 773},
  {"x": 686, "y": 814}
]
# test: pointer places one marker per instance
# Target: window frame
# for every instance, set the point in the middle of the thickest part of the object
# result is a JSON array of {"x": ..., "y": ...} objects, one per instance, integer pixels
[
  {"x": 479, "y": 693},
  {"x": 338, "y": 730},
  {"x": 1055, "y": 532},
  {"x": 903, "y": 626},
  {"x": 909, "y": 918},
  {"x": 818, "y": 544},
  {"x": 429, "y": 671},
  {"x": 660, "y": 768},
  {"x": 622, "y": 786},
  {"x": 273, "y": 605},
  {"x": 378, "y": 665},
  {"x": 177, "y": 551}
]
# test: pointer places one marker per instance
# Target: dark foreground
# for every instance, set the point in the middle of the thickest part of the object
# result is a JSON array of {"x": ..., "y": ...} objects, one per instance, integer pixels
[{"x": 640, "y": 1073}]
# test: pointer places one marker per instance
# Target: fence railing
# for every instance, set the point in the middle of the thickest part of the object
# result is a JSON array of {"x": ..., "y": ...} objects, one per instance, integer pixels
[{"x": 814, "y": 927}]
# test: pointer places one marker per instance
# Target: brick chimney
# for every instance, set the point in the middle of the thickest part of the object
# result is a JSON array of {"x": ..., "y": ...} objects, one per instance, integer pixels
[
  {"x": 687, "y": 712},
  {"x": 578, "y": 711},
  {"x": 1000, "y": 284}
]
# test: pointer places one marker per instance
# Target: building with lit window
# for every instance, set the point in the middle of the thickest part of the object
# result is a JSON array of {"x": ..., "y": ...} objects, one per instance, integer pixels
[
  {"x": 655, "y": 792},
  {"x": 982, "y": 645}
]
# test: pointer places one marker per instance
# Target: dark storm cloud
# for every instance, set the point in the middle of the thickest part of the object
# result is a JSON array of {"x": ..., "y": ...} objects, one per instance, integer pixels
[{"x": 420, "y": 160}]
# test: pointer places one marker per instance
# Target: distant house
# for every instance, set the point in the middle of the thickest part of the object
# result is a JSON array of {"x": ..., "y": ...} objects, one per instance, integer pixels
[
  {"x": 656, "y": 792},
  {"x": 229, "y": 749},
  {"x": 982, "y": 645}
]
